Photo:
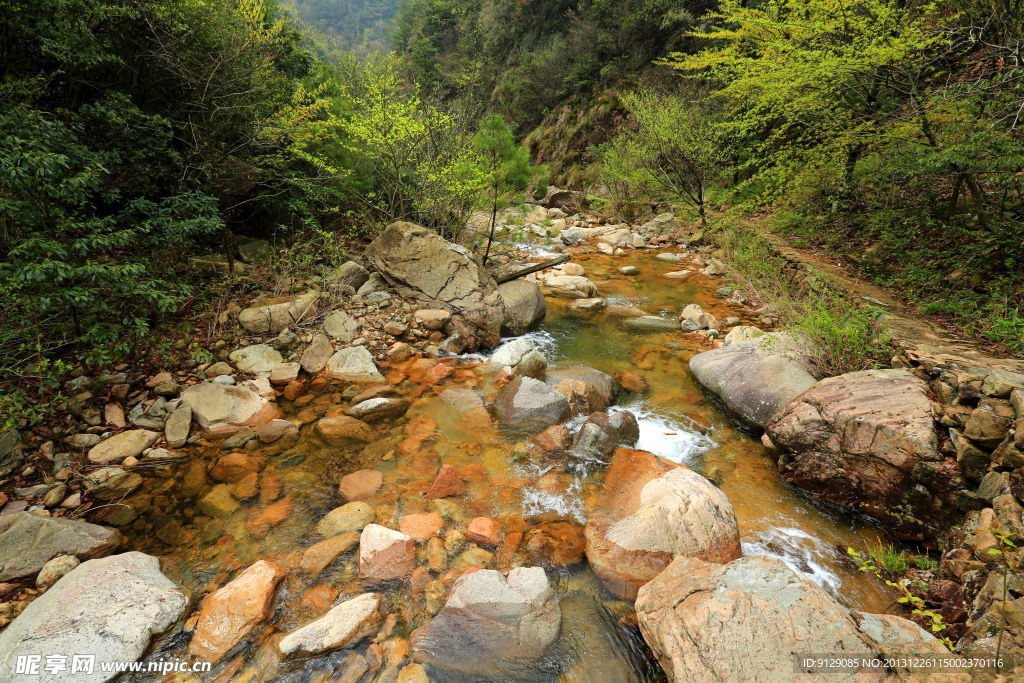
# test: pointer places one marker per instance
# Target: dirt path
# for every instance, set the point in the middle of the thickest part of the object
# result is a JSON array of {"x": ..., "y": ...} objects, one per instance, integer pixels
[{"x": 918, "y": 336}]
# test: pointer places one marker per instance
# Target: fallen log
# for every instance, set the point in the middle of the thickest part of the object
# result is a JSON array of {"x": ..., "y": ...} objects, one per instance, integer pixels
[{"x": 532, "y": 269}]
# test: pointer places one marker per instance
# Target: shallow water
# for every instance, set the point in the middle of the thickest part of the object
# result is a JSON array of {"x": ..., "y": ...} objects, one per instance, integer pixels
[{"x": 599, "y": 641}]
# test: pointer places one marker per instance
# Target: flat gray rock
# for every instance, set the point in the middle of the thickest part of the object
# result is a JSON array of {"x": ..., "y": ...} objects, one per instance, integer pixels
[
  {"x": 109, "y": 608},
  {"x": 649, "y": 324},
  {"x": 28, "y": 541}
]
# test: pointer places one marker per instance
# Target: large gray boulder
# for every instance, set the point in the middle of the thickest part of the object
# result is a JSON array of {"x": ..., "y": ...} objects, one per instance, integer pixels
[
  {"x": 423, "y": 266},
  {"x": 223, "y": 410},
  {"x": 274, "y": 315},
  {"x": 855, "y": 440},
  {"x": 522, "y": 356},
  {"x": 555, "y": 198},
  {"x": 748, "y": 619},
  {"x": 492, "y": 625},
  {"x": 109, "y": 608},
  {"x": 527, "y": 406},
  {"x": 29, "y": 541},
  {"x": 754, "y": 379},
  {"x": 525, "y": 307}
]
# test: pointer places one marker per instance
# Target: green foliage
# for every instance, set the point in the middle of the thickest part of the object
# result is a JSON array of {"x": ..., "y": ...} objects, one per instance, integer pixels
[
  {"x": 924, "y": 562},
  {"x": 504, "y": 168},
  {"x": 524, "y": 58},
  {"x": 673, "y": 150},
  {"x": 893, "y": 128},
  {"x": 891, "y": 559},
  {"x": 841, "y": 338},
  {"x": 35, "y": 398},
  {"x": 810, "y": 80},
  {"x": 908, "y": 597},
  {"x": 130, "y": 134},
  {"x": 420, "y": 160}
]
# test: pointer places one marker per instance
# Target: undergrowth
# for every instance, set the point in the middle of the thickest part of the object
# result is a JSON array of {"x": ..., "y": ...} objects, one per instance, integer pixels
[{"x": 838, "y": 335}]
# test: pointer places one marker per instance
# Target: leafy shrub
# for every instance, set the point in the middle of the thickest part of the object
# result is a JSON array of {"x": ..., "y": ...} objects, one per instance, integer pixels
[{"x": 841, "y": 338}]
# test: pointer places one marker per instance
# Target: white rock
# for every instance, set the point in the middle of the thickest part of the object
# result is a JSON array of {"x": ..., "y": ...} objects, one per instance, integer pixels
[
  {"x": 109, "y": 608},
  {"x": 520, "y": 355},
  {"x": 128, "y": 444},
  {"x": 742, "y": 333},
  {"x": 345, "y": 624},
  {"x": 354, "y": 364},
  {"x": 256, "y": 358},
  {"x": 224, "y": 410}
]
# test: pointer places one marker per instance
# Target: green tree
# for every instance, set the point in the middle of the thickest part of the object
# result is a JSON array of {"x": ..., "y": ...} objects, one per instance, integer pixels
[
  {"x": 673, "y": 150},
  {"x": 811, "y": 79},
  {"x": 504, "y": 167},
  {"x": 419, "y": 160}
]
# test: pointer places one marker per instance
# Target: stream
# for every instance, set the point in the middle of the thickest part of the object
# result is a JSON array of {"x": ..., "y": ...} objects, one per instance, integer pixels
[{"x": 600, "y": 642}]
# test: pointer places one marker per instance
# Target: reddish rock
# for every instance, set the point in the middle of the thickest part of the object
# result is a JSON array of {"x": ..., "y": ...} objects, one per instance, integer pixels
[
  {"x": 294, "y": 388},
  {"x": 558, "y": 543},
  {"x": 447, "y": 483},
  {"x": 419, "y": 434},
  {"x": 343, "y": 430},
  {"x": 361, "y": 485},
  {"x": 484, "y": 530},
  {"x": 229, "y": 614},
  {"x": 274, "y": 430},
  {"x": 245, "y": 488},
  {"x": 438, "y": 372},
  {"x": 554, "y": 438},
  {"x": 272, "y": 516},
  {"x": 473, "y": 472},
  {"x": 234, "y": 467},
  {"x": 271, "y": 486},
  {"x": 421, "y": 527},
  {"x": 584, "y": 398},
  {"x": 419, "y": 580},
  {"x": 319, "y": 598},
  {"x": 113, "y": 415},
  {"x": 508, "y": 547},
  {"x": 385, "y": 554},
  {"x": 631, "y": 381},
  {"x": 318, "y": 557},
  {"x": 503, "y": 376},
  {"x": 375, "y": 391}
]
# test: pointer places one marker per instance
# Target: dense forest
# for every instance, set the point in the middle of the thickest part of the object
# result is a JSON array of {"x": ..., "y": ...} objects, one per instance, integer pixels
[
  {"x": 888, "y": 133},
  {"x": 136, "y": 134}
]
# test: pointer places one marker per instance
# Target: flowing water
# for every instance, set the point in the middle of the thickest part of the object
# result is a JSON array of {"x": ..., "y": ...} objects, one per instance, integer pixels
[{"x": 600, "y": 642}]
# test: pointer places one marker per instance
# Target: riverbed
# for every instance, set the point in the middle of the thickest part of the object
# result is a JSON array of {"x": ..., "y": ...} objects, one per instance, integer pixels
[{"x": 599, "y": 642}]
